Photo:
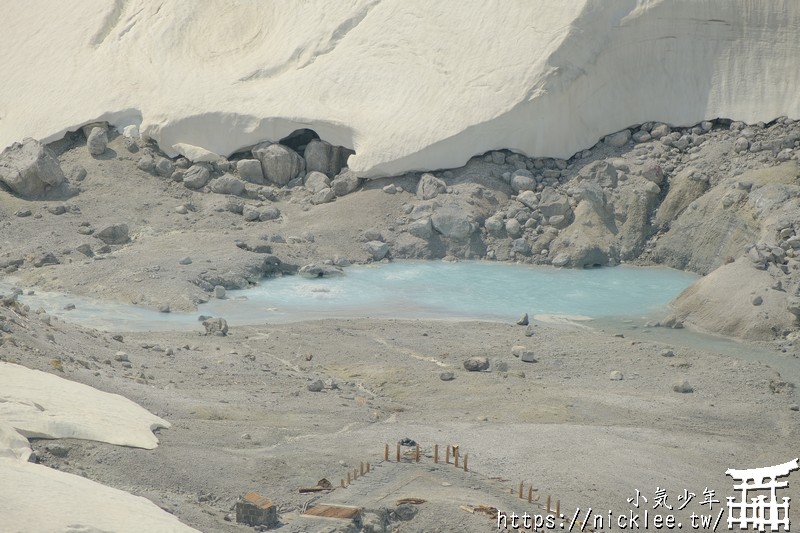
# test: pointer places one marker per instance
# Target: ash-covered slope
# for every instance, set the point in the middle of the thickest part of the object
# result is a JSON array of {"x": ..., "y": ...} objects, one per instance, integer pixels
[{"x": 407, "y": 84}]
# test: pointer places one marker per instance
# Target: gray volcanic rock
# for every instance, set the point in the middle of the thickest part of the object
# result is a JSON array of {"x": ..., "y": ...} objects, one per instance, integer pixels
[
  {"x": 345, "y": 183},
  {"x": 114, "y": 234},
  {"x": 30, "y": 169},
  {"x": 279, "y": 163},
  {"x": 196, "y": 177},
  {"x": 97, "y": 141},
  {"x": 322, "y": 157}
]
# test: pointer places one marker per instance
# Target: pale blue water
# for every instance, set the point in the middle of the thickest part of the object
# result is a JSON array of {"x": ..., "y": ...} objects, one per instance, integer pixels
[{"x": 408, "y": 289}]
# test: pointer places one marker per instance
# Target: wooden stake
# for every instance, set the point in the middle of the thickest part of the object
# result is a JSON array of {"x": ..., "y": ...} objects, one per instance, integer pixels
[
  {"x": 530, "y": 494},
  {"x": 548, "y": 503},
  {"x": 355, "y": 474},
  {"x": 416, "y": 454},
  {"x": 455, "y": 456},
  {"x": 386, "y": 453},
  {"x": 348, "y": 477},
  {"x": 436, "y": 453},
  {"x": 362, "y": 468},
  {"x": 398, "y": 452},
  {"x": 520, "y": 489},
  {"x": 558, "y": 507},
  {"x": 342, "y": 480},
  {"x": 447, "y": 457},
  {"x": 466, "y": 455},
  {"x": 368, "y": 468}
]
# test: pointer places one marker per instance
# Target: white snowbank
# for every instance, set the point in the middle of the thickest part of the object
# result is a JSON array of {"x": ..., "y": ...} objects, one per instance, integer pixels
[
  {"x": 408, "y": 84},
  {"x": 38, "y": 498},
  {"x": 42, "y": 405}
]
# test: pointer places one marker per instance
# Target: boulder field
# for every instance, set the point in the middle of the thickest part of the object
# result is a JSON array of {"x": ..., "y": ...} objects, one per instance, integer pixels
[{"x": 719, "y": 199}]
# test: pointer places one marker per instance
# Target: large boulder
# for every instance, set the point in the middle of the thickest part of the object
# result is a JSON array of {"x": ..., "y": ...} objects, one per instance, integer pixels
[
  {"x": 279, "y": 163},
  {"x": 323, "y": 157},
  {"x": 452, "y": 223},
  {"x": 30, "y": 169}
]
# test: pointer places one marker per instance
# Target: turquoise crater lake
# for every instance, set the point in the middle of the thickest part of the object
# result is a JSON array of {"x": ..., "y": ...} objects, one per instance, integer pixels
[{"x": 406, "y": 289}]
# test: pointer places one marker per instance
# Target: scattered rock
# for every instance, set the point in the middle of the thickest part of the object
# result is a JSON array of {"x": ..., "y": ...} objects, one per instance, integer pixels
[
  {"x": 250, "y": 170},
  {"x": 659, "y": 131},
  {"x": 452, "y": 223},
  {"x": 421, "y": 228},
  {"x": 216, "y": 326},
  {"x": 45, "y": 259},
  {"x": 476, "y": 364},
  {"x": 527, "y": 356},
  {"x": 405, "y": 512},
  {"x": 523, "y": 180},
  {"x": 741, "y": 145},
  {"x": 114, "y": 234},
  {"x": 316, "y": 181},
  {"x": 77, "y": 173},
  {"x": 682, "y": 386},
  {"x": 196, "y": 177},
  {"x": 323, "y": 197},
  {"x": 228, "y": 184},
  {"x": 318, "y": 270},
  {"x": 513, "y": 227},
  {"x": 185, "y": 260},
  {"x": 147, "y": 164},
  {"x": 430, "y": 187},
  {"x": 56, "y": 449},
  {"x": 22, "y": 213},
  {"x": 615, "y": 375},
  {"x": 758, "y": 300},
  {"x": 164, "y": 167},
  {"x": 345, "y": 183},
  {"x": 377, "y": 249},
  {"x": 447, "y": 376},
  {"x": 97, "y": 141},
  {"x": 619, "y": 139},
  {"x": 667, "y": 353},
  {"x": 269, "y": 213},
  {"x": 523, "y": 321},
  {"x": 316, "y": 386},
  {"x": 85, "y": 249}
]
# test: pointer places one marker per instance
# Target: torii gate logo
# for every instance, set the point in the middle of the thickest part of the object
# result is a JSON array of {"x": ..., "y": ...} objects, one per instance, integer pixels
[{"x": 754, "y": 509}]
